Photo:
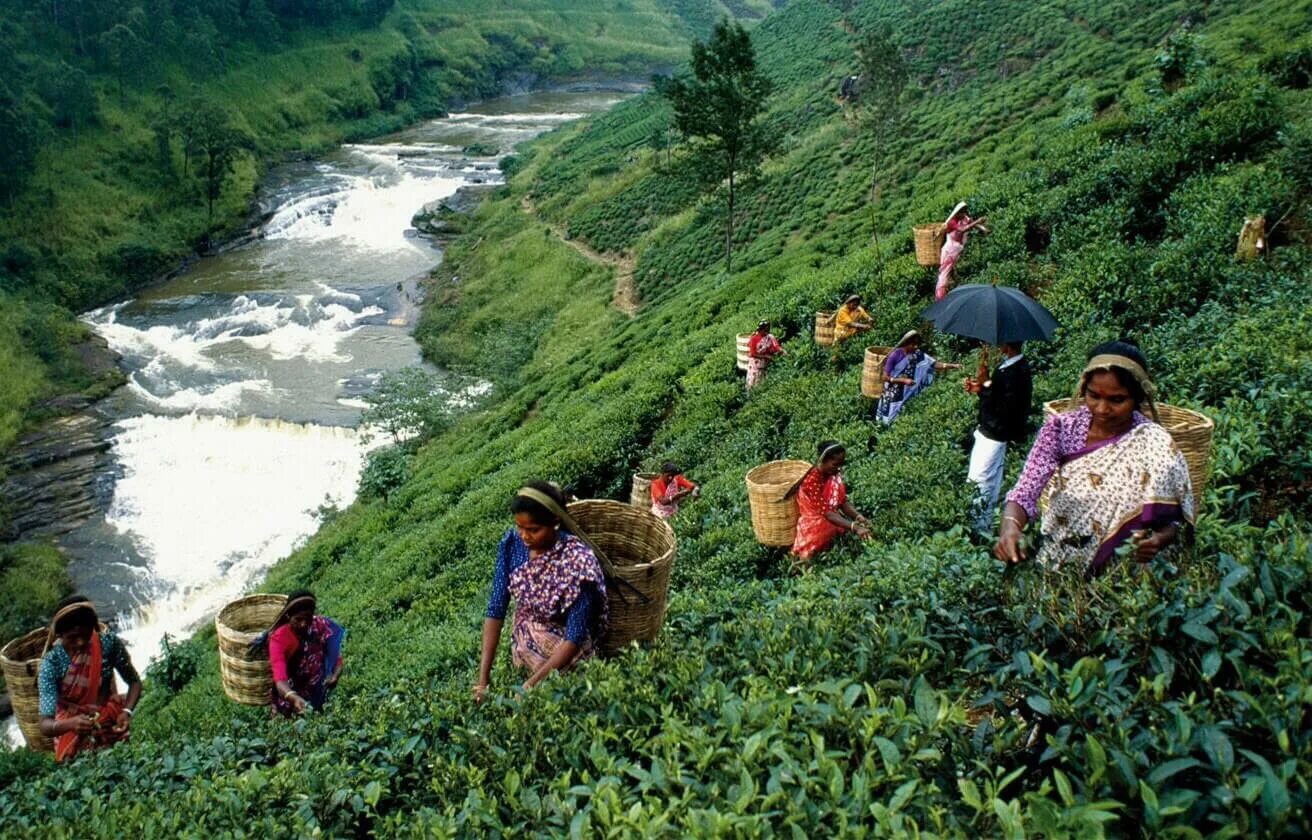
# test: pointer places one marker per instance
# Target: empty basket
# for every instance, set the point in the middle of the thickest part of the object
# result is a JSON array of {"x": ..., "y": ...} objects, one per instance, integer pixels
[
  {"x": 640, "y": 494},
  {"x": 744, "y": 349},
  {"x": 774, "y": 518},
  {"x": 247, "y": 675},
  {"x": 872, "y": 372},
  {"x": 929, "y": 243},
  {"x": 824, "y": 328},
  {"x": 21, "y": 661}
]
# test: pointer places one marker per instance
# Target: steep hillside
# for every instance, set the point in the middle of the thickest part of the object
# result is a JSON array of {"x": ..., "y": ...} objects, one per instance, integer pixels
[{"x": 1115, "y": 154}]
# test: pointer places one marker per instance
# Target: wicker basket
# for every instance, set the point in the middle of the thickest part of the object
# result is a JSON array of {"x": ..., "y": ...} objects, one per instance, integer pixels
[
  {"x": 744, "y": 349},
  {"x": 640, "y": 495},
  {"x": 774, "y": 518},
  {"x": 929, "y": 243},
  {"x": 639, "y": 547},
  {"x": 824, "y": 328},
  {"x": 872, "y": 372},
  {"x": 247, "y": 676},
  {"x": 1191, "y": 431},
  {"x": 21, "y": 660}
]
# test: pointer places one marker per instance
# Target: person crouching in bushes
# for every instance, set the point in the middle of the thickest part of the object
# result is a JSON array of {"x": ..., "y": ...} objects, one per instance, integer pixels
[
  {"x": 1116, "y": 476},
  {"x": 762, "y": 348},
  {"x": 668, "y": 489},
  {"x": 851, "y": 319},
  {"x": 558, "y": 586},
  {"x": 305, "y": 652},
  {"x": 822, "y": 506},
  {"x": 908, "y": 370},
  {"x": 78, "y": 704}
]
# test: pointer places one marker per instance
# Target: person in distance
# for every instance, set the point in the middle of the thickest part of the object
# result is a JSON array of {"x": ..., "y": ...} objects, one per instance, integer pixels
[
  {"x": 851, "y": 319},
  {"x": 822, "y": 506},
  {"x": 558, "y": 586},
  {"x": 908, "y": 370},
  {"x": 762, "y": 348},
  {"x": 668, "y": 489},
  {"x": 79, "y": 705},
  {"x": 958, "y": 224},
  {"x": 1112, "y": 476},
  {"x": 305, "y": 653}
]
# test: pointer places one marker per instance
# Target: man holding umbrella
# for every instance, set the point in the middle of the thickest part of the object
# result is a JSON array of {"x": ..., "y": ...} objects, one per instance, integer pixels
[
  {"x": 1004, "y": 317},
  {"x": 1004, "y": 409}
]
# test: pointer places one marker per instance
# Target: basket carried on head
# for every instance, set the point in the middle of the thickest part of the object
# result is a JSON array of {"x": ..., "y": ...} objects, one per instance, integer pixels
[
  {"x": 1191, "y": 431},
  {"x": 824, "y": 328},
  {"x": 929, "y": 243},
  {"x": 639, "y": 554},
  {"x": 640, "y": 495},
  {"x": 21, "y": 661},
  {"x": 744, "y": 349},
  {"x": 247, "y": 675},
  {"x": 872, "y": 372},
  {"x": 774, "y": 518}
]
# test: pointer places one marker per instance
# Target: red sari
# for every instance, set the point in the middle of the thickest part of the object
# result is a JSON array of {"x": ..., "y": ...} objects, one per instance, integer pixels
[
  {"x": 79, "y": 694},
  {"x": 817, "y": 496}
]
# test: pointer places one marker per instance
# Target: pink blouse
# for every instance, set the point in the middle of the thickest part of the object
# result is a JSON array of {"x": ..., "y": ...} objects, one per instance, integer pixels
[
  {"x": 282, "y": 644},
  {"x": 1061, "y": 437}
]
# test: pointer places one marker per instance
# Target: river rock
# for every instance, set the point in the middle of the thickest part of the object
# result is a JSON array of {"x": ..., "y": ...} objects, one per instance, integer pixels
[{"x": 50, "y": 476}]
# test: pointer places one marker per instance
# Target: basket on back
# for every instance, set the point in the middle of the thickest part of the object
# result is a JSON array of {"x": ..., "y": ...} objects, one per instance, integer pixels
[
  {"x": 872, "y": 372},
  {"x": 1191, "y": 431},
  {"x": 774, "y": 518},
  {"x": 824, "y": 328},
  {"x": 929, "y": 243},
  {"x": 247, "y": 675},
  {"x": 743, "y": 346},
  {"x": 640, "y": 495},
  {"x": 639, "y": 548},
  {"x": 21, "y": 661}
]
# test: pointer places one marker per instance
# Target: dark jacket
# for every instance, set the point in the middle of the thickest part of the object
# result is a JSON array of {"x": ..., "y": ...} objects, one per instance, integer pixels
[{"x": 1004, "y": 405}]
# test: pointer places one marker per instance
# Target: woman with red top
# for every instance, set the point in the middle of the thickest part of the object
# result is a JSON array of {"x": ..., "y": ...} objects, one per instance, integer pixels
[
  {"x": 822, "y": 506},
  {"x": 305, "y": 653},
  {"x": 761, "y": 350},
  {"x": 670, "y": 488},
  {"x": 958, "y": 224}
]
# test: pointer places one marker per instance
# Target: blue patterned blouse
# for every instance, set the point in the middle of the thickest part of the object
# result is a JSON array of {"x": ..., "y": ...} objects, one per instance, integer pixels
[
  {"x": 54, "y": 665},
  {"x": 511, "y": 554}
]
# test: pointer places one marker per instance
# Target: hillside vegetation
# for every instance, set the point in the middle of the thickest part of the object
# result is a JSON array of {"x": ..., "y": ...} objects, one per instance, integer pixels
[
  {"x": 1116, "y": 147},
  {"x": 108, "y": 108}
]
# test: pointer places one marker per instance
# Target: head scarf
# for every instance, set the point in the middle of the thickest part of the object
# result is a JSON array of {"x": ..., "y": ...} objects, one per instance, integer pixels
[
  {"x": 1107, "y": 361},
  {"x": 290, "y": 607},
  {"x": 568, "y": 521},
  {"x": 851, "y": 298},
  {"x": 910, "y": 334},
  {"x": 961, "y": 205},
  {"x": 67, "y": 610}
]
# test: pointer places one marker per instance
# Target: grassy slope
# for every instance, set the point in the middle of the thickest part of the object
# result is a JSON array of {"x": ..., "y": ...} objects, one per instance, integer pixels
[
  {"x": 100, "y": 218},
  {"x": 816, "y": 706}
]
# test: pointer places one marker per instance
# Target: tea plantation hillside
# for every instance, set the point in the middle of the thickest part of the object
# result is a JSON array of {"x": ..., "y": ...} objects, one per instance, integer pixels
[{"x": 910, "y": 685}]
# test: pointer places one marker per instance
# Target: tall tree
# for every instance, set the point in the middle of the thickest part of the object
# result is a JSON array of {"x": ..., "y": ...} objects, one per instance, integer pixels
[
  {"x": 884, "y": 77},
  {"x": 217, "y": 145},
  {"x": 719, "y": 104}
]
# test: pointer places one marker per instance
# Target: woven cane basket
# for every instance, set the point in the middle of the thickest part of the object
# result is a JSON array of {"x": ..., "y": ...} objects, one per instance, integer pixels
[
  {"x": 744, "y": 350},
  {"x": 247, "y": 675},
  {"x": 21, "y": 660},
  {"x": 1191, "y": 431},
  {"x": 640, "y": 495},
  {"x": 929, "y": 243},
  {"x": 872, "y": 372},
  {"x": 774, "y": 518},
  {"x": 824, "y": 328},
  {"x": 639, "y": 548}
]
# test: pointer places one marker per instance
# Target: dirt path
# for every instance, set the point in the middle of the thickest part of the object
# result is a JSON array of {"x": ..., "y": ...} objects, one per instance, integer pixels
[{"x": 625, "y": 298}]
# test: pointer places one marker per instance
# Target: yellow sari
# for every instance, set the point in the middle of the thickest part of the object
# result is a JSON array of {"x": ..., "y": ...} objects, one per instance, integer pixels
[{"x": 843, "y": 329}]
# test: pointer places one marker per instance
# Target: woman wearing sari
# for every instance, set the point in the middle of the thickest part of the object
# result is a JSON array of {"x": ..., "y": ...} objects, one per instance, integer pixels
[
  {"x": 958, "y": 224},
  {"x": 305, "y": 652},
  {"x": 80, "y": 707},
  {"x": 823, "y": 511},
  {"x": 851, "y": 318},
  {"x": 668, "y": 489},
  {"x": 1116, "y": 476},
  {"x": 558, "y": 586},
  {"x": 761, "y": 350},
  {"x": 908, "y": 370}
]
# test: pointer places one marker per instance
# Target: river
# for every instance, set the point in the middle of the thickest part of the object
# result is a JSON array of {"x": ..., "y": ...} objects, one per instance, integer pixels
[{"x": 246, "y": 373}]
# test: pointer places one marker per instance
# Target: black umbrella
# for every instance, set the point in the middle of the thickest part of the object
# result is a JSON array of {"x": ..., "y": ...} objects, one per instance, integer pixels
[{"x": 993, "y": 314}]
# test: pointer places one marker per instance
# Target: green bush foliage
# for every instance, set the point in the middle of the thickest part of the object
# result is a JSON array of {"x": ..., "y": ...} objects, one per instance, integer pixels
[{"x": 910, "y": 686}]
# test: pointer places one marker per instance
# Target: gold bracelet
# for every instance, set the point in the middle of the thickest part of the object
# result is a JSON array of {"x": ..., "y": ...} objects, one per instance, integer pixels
[{"x": 1019, "y": 524}]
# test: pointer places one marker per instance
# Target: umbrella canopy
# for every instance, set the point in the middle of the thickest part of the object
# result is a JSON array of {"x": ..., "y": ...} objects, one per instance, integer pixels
[{"x": 993, "y": 314}]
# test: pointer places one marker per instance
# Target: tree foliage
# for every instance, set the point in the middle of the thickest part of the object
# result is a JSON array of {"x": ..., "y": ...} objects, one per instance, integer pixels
[{"x": 720, "y": 102}]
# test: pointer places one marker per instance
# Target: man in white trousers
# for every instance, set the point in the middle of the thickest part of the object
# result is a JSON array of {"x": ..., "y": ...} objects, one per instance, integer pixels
[{"x": 1004, "y": 410}]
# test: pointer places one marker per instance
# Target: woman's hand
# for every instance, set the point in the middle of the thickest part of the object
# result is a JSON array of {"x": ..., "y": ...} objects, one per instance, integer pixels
[
  {"x": 1010, "y": 548},
  {"x": 123, "y": 722},
  {"x": 81, "y": 724},
  {"x": 1147, "y": 544},
  {"x": 297, "y": 701},
  {"x": 862, "y": 529},
  {"x": 480, "y": 692}
]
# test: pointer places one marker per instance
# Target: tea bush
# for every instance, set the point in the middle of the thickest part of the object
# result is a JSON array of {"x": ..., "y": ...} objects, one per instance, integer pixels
[{"x": 910, "y": 685}]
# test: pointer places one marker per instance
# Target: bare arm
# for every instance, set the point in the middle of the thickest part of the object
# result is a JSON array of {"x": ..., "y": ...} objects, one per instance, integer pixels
[
  {"x": 1009, "y": 549},
  {"x": 286, "y": 692},
  {"x": 52, "y": 728},
  {"x": 560, "y": 657},
  {"x": 491, "y": 638}
]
